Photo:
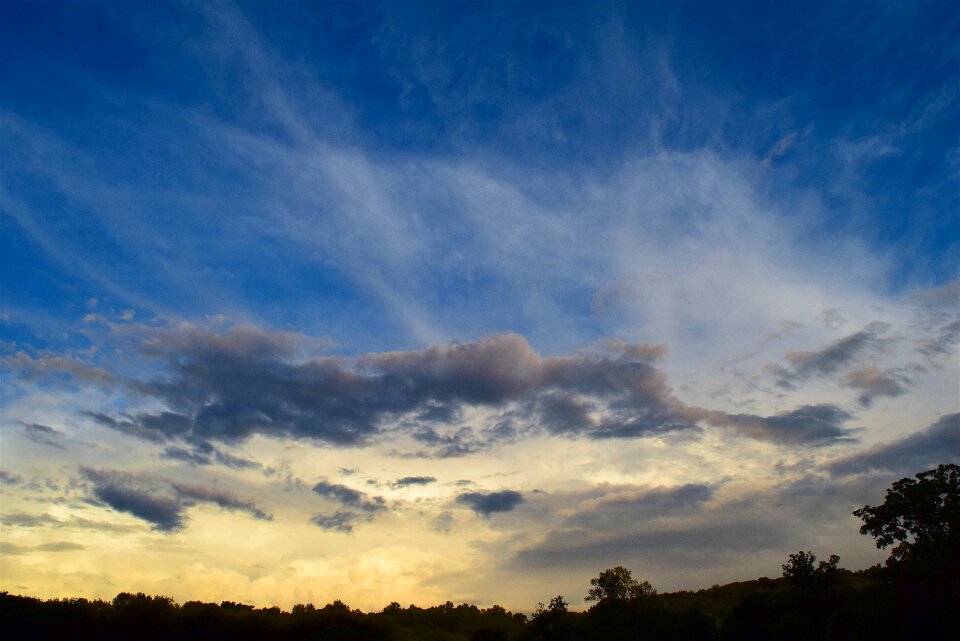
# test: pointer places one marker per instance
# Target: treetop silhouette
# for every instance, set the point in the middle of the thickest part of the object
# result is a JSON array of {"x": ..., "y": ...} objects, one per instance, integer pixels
[
  {"x": 921, "y": 516},
  {"x": 618, "y": 584}
]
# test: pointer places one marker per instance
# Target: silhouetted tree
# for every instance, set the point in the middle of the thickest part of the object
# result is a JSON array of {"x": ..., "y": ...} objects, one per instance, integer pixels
[
  {"x": 921, "y": 516},
  {"x": 301, "y": 609},
  {"x": 808, "y": 603},
  {"x": 553, "y": 622},
  {"x": 558, "y": 604},
  {"x": 618, "y": 584},
  {"x": 800, "y": 568}
]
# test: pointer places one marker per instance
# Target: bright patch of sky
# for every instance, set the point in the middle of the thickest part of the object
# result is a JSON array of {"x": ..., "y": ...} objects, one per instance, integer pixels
[{"x": 426, "y": 301}]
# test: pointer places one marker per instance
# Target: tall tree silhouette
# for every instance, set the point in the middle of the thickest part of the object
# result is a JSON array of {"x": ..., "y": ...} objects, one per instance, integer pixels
[
  {"x": 921, "y": 516},
  {"x": 921, "y": 519}
]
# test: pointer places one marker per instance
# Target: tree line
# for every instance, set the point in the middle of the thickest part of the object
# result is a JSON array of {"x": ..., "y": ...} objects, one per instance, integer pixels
[{"x": 914, "y": 595}]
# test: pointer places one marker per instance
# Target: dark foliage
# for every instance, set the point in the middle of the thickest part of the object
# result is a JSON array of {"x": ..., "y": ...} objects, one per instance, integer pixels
[{"x": 920, "y": 517}]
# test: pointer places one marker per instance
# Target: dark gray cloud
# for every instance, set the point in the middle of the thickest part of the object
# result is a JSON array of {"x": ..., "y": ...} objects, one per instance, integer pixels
[
  {"x": 564, "y": 412},
  {"x": 815, "y": 425},
  {"x": 873, "y": 383},
  {"x": 942, "y": 342},
  {"x": 645, "y": 422},
  {"x": 235, "y": 462},
  {"x": 830, "y": 359},
  {"x": 349, "y": 497},
  {"x": 223, "y": 388},
  {"x": 338, "y": 492},
  {"x": 340, "y": 521},
  {"x": 160, "y": 503},
  {"x": 357, "y": 507},
  {"x": 43, "y": 434},
  {"x": 939, "y": 443},
  {"x": 226, "y": 387},
  {"x": 6, "y": 478},
  {"x": 220, "y": 498},
  {"x": 407, "y": 481},
  {"x": 446, "y": 442},
  {"x": 460, "y": 442},
  {"x": 133, "y": 426},
  {"x": 486, "y": 504},
  {"x": 142, "y": 499},
  {"x": 193, "y": 457},
  {"x": 205, "y": 453}
]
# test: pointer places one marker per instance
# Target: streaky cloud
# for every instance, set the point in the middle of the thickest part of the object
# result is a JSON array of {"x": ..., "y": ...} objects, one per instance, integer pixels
[
  {"x": 938, "y": 443},
  {"x": 809, "y": 425},
  {"x": 205, "y": 453},
  {"x": 43, "y": 434},
  {"x": 133, "y": 495},
  {"x": 830, "y": 359},
  {"x": 408, "y": 481},
  {"x": 943, "y": 341},
  {"x": 55, "y": 546},
  {"x": 221, "y": 498},
  {"x": 161, "y": 503},
  {"x": 25, "y": 520}
]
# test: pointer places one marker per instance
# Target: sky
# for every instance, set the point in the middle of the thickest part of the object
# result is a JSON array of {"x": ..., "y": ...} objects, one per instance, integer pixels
[{"x": 420, "y": 302}]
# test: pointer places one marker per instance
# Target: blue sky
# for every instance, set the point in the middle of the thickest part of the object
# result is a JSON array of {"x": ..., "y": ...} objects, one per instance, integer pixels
[{"x": 275, "y": 247}]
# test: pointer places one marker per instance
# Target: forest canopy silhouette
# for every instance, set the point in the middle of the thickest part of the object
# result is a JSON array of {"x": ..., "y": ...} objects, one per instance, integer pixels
[{"x": 914, "y": 595}]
